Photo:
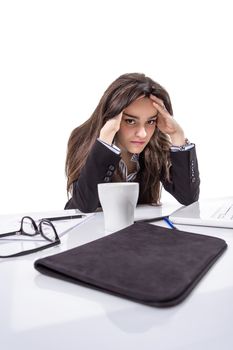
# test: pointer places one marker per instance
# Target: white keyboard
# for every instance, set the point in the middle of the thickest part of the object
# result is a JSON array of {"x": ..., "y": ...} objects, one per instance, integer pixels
[{"x": 225, "y": 212}]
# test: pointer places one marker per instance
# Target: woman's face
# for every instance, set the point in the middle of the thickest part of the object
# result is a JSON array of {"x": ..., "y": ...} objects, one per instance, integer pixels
[{"x": 138, "y": 124}]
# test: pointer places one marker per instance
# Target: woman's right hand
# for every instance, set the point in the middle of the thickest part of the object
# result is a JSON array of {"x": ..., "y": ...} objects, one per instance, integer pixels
[{"x": 110, "y": 128}]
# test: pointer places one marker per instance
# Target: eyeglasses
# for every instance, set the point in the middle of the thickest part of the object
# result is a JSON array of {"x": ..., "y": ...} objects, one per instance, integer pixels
[{"x": 29, "y": 228}]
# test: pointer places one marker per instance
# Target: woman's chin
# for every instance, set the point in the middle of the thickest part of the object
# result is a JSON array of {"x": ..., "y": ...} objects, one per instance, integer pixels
[{"x": 137, "y": 148}]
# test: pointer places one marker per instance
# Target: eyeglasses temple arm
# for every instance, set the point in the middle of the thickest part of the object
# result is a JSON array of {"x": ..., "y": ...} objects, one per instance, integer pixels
[{"x": 14, "y": 233}]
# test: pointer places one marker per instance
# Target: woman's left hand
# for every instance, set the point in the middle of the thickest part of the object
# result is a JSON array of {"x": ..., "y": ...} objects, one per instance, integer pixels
[{"x": 166, "y": 123}]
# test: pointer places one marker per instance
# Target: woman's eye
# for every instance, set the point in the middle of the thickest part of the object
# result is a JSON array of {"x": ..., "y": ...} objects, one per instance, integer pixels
[
  {"x": 152, "y": 121},
  {"x": 130, "y": 121}
]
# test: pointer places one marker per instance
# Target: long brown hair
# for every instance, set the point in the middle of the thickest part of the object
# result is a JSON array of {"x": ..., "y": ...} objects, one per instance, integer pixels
[{"x": 123, "y": 91}]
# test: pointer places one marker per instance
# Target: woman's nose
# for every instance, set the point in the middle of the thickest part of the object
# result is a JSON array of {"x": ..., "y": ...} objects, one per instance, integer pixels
[{"x": 141, "y": 132}]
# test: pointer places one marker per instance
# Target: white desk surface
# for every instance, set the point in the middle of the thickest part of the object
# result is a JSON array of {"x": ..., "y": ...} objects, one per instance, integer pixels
[{"x": 39, "y": 312}]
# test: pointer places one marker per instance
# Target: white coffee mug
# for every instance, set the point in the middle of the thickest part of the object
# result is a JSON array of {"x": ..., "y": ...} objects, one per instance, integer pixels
[{"x": 118, "y": 201}]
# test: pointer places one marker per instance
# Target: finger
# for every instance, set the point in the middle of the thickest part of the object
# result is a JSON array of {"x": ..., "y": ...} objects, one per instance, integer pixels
[
  {"x": 160, "y": 108},
  {"x": 118, "y": 116},
  {"x": 157, "y": 100}
]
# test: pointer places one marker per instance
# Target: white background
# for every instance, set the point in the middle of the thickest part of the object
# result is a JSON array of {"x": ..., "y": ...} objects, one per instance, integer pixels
[{"x": 58, "y": 57}]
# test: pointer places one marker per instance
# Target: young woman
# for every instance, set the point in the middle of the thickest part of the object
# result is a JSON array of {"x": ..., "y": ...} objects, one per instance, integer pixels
[{"x": 131, "y": 136}]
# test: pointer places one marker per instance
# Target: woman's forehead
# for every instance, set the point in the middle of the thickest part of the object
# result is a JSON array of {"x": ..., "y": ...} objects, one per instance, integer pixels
[{"x": 142, "y": 107}]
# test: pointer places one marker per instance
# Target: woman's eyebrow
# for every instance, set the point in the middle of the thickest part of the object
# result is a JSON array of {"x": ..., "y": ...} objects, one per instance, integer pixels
[{"x": 135, "y": 117}]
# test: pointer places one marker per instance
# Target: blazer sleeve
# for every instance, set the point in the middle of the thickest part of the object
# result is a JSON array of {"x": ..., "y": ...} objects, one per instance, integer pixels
[
  {"x": 100, "y": 165},
  {"x": 184, "y": 173}
]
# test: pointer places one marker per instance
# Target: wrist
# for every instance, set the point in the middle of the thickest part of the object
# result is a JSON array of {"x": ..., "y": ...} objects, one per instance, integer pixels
[
  {"x": 185, "y": 146},
  {"x": 178, "y": 139},
  {"x": 107, "y": 138}
]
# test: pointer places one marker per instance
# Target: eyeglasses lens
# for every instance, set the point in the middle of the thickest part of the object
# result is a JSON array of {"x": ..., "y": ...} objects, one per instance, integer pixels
[
  {"x": 48, "y": 231},
  {"x": 28, "y": 227}
]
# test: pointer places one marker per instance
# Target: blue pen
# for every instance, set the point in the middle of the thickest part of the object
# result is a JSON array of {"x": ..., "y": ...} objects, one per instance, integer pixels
[
  {"x": 159, "y": 218},
  {"x": 170, "y": 224}
]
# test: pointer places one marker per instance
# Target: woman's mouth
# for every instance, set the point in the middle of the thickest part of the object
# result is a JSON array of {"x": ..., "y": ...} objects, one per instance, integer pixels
[{"x": 138, "y": 143}]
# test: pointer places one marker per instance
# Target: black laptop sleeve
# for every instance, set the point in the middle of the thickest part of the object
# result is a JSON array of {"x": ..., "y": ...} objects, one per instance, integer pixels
[{"x": 143, "y": 262}]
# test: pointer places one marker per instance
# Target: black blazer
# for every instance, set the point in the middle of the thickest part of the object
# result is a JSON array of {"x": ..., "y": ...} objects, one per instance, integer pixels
[{"x": 101, "y": 163}]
